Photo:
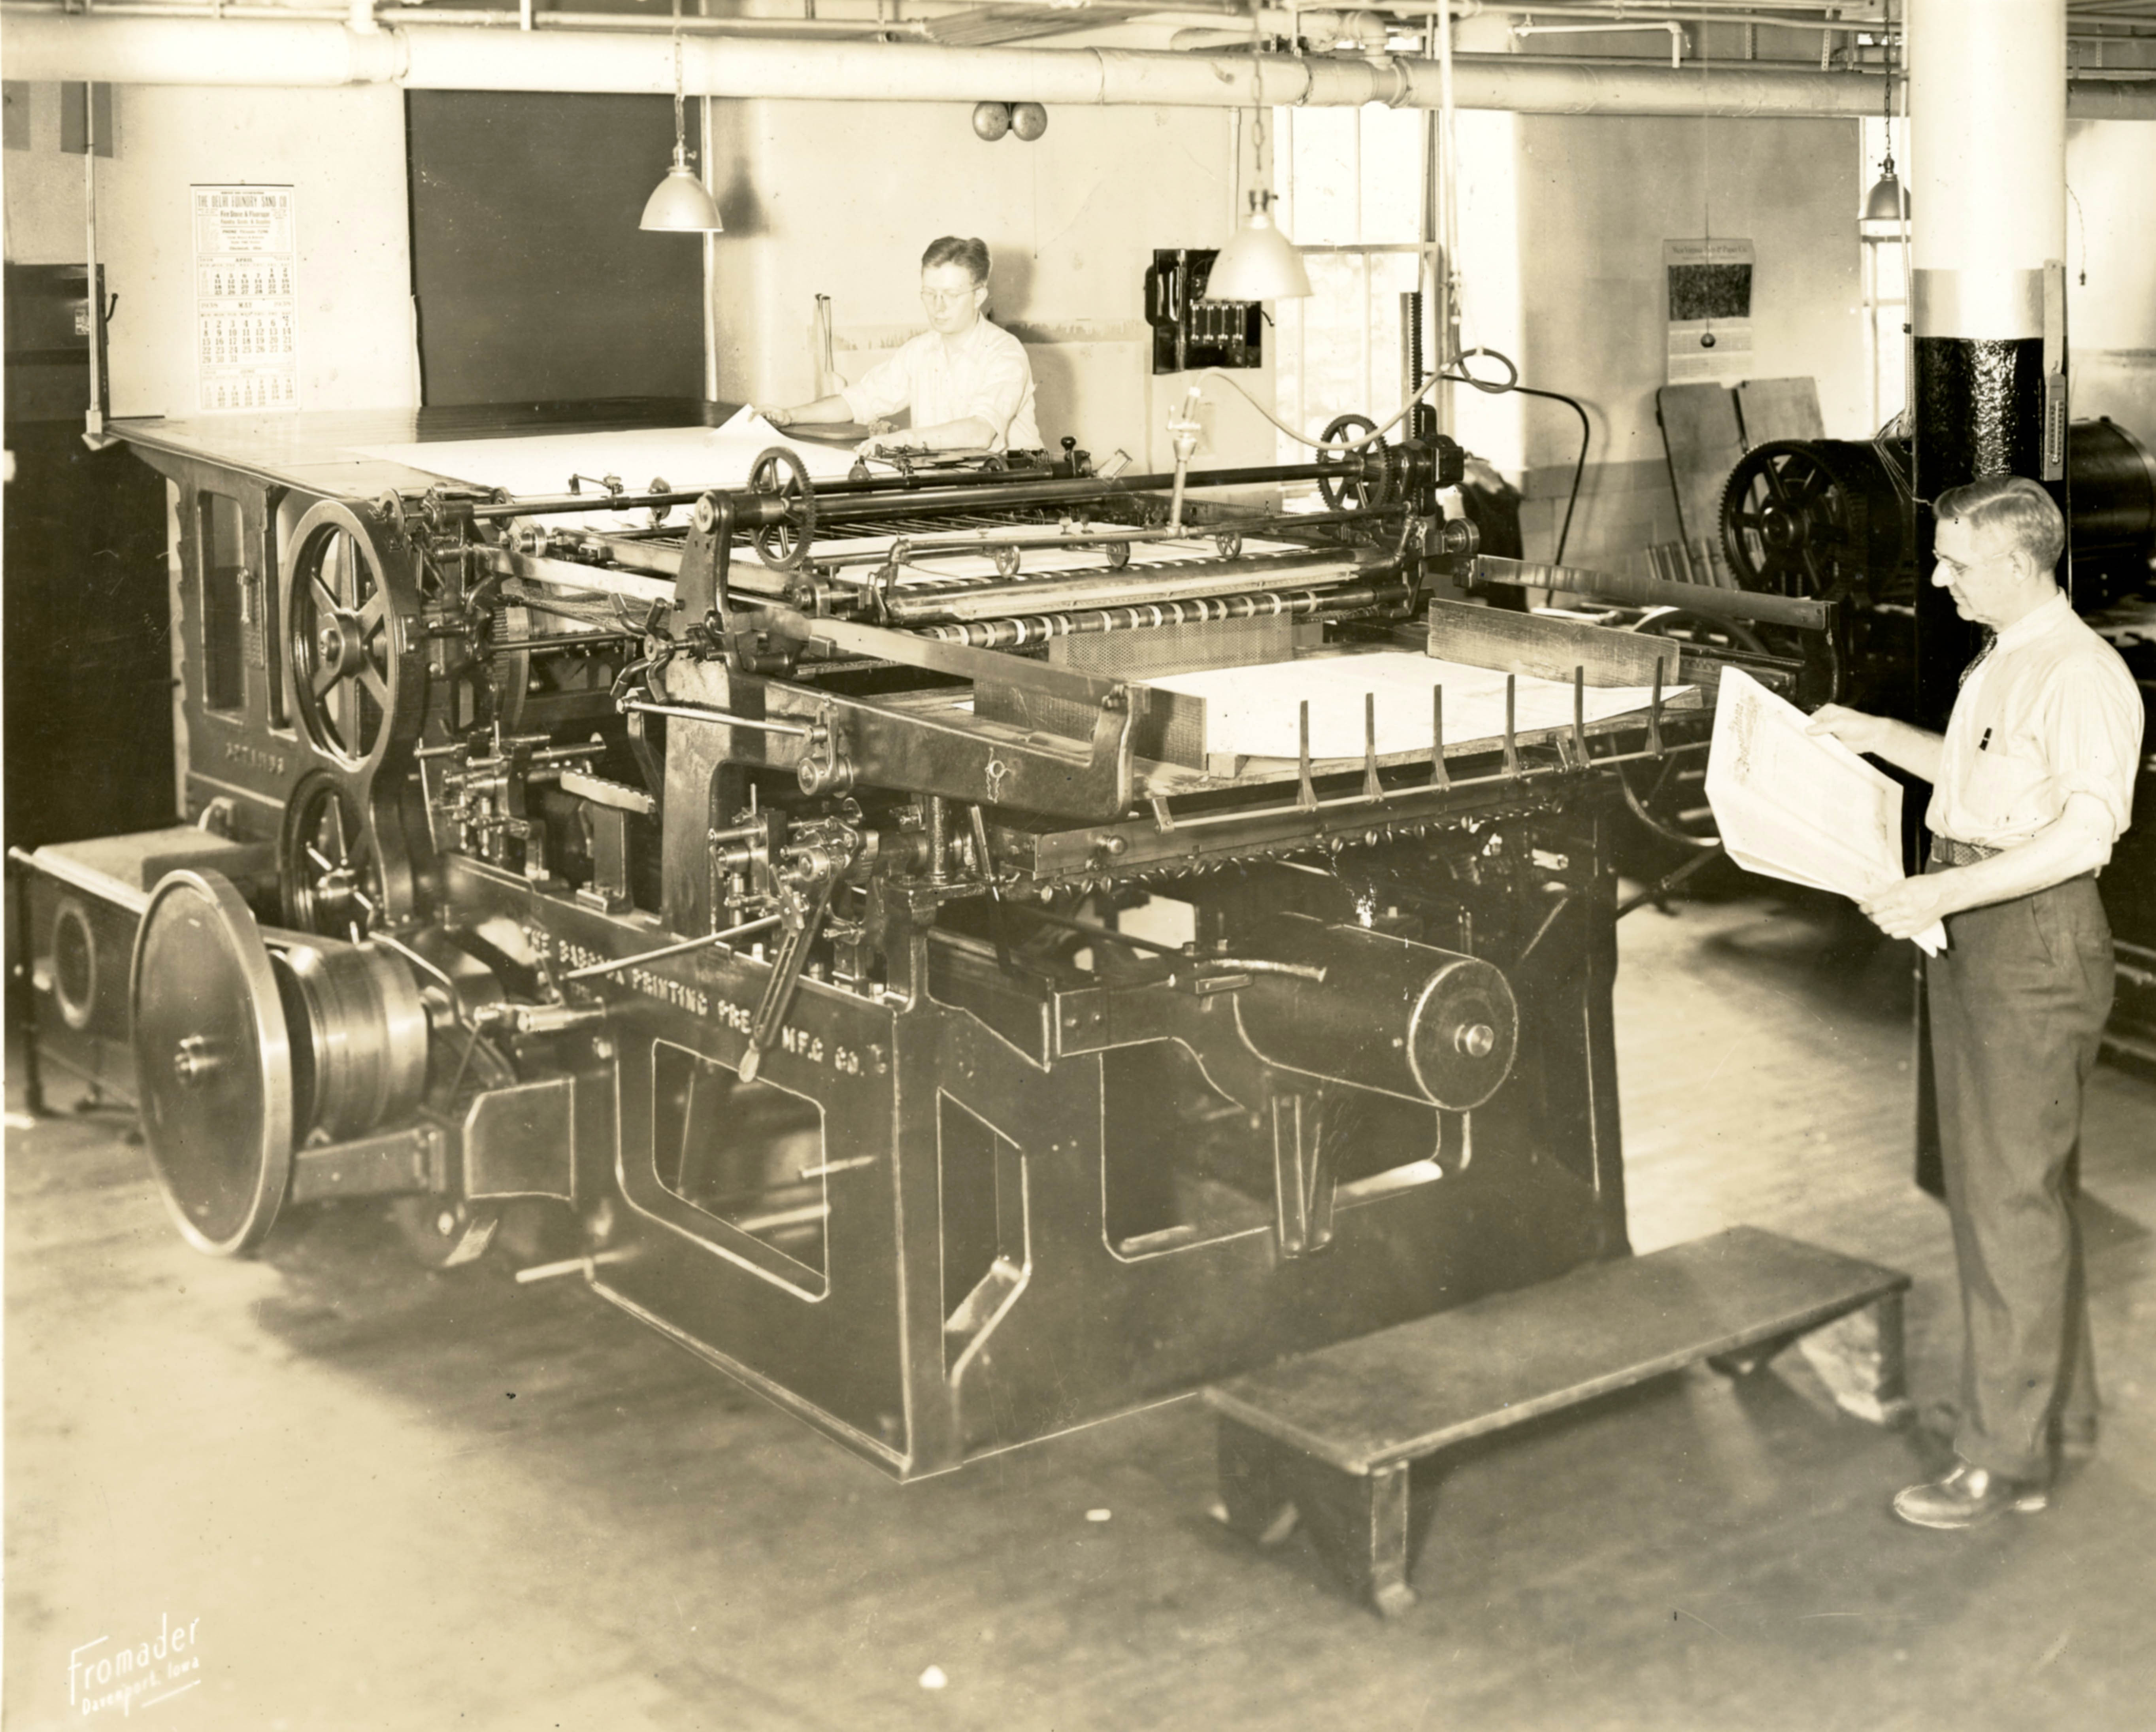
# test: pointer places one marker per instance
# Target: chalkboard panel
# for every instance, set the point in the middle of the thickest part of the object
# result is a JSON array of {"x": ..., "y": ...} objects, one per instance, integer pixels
[{"x": 533, "y": 281}]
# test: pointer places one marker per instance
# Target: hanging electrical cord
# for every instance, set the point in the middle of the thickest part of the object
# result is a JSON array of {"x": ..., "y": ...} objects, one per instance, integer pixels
[
  {"x": 1494, "y": 387},
  {"x": 1586, "y": 432}
]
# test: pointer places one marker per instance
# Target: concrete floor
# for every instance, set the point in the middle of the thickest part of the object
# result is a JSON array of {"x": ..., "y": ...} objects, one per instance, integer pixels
[{"x": 382, "y": 1498}]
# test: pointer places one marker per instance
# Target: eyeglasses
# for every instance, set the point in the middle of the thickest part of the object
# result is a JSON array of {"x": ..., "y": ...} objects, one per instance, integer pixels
[{"x": 947, "y": 297}]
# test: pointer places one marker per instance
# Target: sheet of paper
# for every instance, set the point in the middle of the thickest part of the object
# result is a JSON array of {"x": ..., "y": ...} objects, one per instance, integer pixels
[
  {"x": 683, "y": 457},
  {"x": 1801, "y": 806},
  {"x": 1254, "y": 712}
]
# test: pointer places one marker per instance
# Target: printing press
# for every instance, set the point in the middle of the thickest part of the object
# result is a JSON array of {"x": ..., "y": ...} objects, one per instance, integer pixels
[{"x": 813, "y": 902}]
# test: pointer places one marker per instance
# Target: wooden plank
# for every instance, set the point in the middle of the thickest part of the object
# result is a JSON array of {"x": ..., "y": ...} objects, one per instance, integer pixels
[
  {"x": 1780, "y": 408},
  {"x": 1548, "y": 648},
  {"x": 1403, "y": 1393},
  {"x": 1703, "y": 440}
]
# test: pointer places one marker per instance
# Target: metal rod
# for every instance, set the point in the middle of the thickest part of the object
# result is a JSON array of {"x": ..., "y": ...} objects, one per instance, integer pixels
[
  {"x": 666, "y": 950},
  {"x": 698, "y": 713},
  {"x": 844, "y": 1166},
  {"x": 1511, "y": 741},
  {"x": 1800, "y": 611},
  {"x": 1440, "y": 777},
  {"x": 1022, "y": 631},
  {"x": 560, "y": 641},
  {"x": 1372, "y": 788},
  {"x": 1306, "y": 793}
]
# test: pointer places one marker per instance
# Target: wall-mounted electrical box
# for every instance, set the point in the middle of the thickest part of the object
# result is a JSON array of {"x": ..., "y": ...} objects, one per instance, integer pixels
[{"x": 1188, "y": 331}]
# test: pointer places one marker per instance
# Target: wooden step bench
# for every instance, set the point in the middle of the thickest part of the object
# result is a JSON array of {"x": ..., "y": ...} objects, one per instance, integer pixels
[{"x": 1332, "y": 1433}]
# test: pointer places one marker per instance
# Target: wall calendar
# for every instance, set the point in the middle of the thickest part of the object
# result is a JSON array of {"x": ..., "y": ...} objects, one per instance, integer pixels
[{"x": 245, "y": 297}]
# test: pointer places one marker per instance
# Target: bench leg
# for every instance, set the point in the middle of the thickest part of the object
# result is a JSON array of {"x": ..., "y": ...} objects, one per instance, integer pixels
[
  {"x": 1859, "y": 1358},
  {"x": 1358, "y": 1523}
]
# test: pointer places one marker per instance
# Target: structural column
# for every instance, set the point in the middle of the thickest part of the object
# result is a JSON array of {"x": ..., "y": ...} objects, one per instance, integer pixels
[{"x": 1988, "y": 150}]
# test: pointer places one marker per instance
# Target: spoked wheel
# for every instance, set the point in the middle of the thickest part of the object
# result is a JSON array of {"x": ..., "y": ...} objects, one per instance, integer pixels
[
  {"x": 357, "y": 682},
  {"x": 1370, "y": 482},
  {"x": 1794, "y": 523},
  {"x": 326, "y": 875},
  {"x": 783, "y": 545}
]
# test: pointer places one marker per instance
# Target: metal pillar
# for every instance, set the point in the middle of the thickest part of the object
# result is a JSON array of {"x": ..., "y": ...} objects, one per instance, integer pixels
[{"x": 1986, "y": 99}]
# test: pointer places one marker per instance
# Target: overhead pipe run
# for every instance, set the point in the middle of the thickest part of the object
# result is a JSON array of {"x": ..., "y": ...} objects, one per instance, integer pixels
[{"x": 226, "y": 53}]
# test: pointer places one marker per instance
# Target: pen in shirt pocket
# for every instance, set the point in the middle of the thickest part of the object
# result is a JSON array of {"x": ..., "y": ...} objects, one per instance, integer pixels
[{"x": 1984, "y": 745}]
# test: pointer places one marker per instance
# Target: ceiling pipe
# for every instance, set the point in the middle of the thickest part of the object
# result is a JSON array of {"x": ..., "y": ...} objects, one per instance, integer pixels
[{"x": 308, "y": 54}]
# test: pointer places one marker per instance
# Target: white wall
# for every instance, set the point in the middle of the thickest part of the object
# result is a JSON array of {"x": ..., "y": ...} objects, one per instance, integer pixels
[
  {"x": 343, "y": 153},
  {"x": 2110, "y": 319},
  {"x": 1596, "y": 197},
  {"x": 839, "y": 199}
]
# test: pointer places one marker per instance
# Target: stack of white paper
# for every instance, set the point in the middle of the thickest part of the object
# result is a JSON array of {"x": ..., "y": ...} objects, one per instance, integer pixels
[
  {"x": 1802, "y": 806},
  {"x": 683, "y": 457},
  {"x": 1257, "y": 712}
]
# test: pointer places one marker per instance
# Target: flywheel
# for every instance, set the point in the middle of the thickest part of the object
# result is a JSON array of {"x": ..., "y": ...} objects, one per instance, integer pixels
[
  {"x": 212, "y": 1062},
  {"x": 242, "y": 1054}
]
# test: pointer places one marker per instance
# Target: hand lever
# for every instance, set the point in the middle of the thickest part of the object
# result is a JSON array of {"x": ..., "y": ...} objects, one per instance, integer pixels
[{"x": 785, "y": 976}]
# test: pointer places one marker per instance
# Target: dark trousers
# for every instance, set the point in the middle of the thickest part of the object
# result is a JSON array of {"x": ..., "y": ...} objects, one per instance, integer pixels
[{"x": 2018, "y": 1003}]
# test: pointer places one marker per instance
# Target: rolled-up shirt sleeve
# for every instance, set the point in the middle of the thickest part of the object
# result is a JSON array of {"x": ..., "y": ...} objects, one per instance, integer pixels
[
  {"x": 1004, "y": 380},
  {"x": 882, "y": 392},
  {"x": 2095, "y": 731}
]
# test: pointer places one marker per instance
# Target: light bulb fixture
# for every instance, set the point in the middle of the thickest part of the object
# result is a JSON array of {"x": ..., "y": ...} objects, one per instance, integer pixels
[
  {"x": 1888, "y": 200},
  {"x": 681, "y": 202},
  {"x": 1260, "y": 263}
]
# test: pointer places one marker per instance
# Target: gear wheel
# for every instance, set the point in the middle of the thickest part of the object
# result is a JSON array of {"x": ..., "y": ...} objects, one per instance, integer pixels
[{"x": 1797, "y": 520}]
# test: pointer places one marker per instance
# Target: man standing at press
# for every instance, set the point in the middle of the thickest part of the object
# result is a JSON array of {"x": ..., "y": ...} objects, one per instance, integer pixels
[{"x": 2032, "y": 783}]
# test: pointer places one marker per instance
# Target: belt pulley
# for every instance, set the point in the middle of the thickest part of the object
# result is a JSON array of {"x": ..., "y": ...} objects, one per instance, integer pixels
[{"x": 357, "y": 666}]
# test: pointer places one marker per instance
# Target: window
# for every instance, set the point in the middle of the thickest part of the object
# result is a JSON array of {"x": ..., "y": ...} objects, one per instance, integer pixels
[
  {"x": 1886, "y": 284},
  {"x": 228, "y": 620},
  {"x": 1351, "y": 195}
]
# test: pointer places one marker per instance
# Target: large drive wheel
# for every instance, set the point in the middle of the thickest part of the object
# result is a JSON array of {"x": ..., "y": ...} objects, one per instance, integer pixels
[{"x": 212, "y": 1062}]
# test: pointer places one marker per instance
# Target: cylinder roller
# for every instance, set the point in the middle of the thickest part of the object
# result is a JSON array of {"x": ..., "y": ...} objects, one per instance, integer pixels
[
  {"x": 1390, "y": 1014},
  {"x": 359, "y": 1058}
]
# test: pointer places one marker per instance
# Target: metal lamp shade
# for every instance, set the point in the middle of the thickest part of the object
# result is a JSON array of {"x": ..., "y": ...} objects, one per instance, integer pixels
[
  {"x": 1260, "y": 264},
  {"x": 1888, "y": 200},
  {"x": 681, "y": 202}
]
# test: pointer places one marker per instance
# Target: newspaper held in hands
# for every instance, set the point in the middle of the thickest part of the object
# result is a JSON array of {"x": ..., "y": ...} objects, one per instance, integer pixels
[{"x": 1802, "y": 806}]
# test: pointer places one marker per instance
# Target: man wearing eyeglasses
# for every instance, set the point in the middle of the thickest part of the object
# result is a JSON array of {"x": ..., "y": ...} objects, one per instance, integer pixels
[
  {"x": 2032, "y": 783},
  {"x": 968, "y": 381}
]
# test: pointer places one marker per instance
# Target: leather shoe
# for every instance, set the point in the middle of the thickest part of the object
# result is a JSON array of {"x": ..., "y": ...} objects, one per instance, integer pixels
[{"x": 1968, "y": 1497}]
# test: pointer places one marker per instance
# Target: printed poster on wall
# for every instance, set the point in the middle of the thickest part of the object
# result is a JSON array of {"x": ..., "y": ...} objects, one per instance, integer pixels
[
  {"x": 245, "y": 265},
  {"x": 1710, "y": 305}
]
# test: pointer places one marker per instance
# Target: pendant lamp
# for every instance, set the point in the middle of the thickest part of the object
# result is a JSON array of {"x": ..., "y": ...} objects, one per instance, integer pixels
[
  {"x": 1260, "y": 263},
  {"x": 1888, "y": 200},
  {"x": 681, "y": 202}
]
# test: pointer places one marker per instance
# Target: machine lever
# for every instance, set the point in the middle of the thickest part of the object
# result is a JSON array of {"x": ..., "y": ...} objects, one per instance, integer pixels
[{"x": 785, "y": 976}]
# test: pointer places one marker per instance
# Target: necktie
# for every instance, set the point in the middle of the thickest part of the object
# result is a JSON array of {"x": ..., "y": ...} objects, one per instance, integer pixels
[{"x": 1976, "y": 661}]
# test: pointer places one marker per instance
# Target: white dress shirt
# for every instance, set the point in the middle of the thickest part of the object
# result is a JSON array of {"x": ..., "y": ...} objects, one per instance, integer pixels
[
  {"x": 2052, "y": 710},
  {"x": 984, "y": 373}
]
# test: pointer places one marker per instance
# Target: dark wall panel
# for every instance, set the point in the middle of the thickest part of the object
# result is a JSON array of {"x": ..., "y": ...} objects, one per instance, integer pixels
[{"x": 534, "y": 282}]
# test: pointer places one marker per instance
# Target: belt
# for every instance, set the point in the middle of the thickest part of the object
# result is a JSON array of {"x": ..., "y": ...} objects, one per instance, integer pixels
[{"x": 1947, "y": 852}]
